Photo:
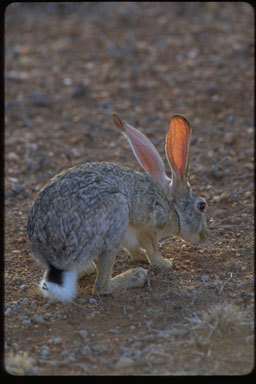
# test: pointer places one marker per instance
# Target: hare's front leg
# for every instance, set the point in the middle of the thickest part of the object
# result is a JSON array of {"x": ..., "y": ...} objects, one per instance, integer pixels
[
  {"x": 104, "y": 284},
  {"x": 150, "y": 245}
]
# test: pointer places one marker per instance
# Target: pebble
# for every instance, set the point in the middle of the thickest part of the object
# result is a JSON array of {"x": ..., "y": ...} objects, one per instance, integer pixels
[
  {"x": 71, "y": 359},
  {"x": 205, "y": 278},
  {"x": 48, "y": 315},
  {"x": 8, "y": 312},
  {"x": 125, "y": 362},
  {"x": 83, "y": 333},
  {"x": 247, "y": 194},
  {"x": 99, "y": 348},
  {"x": 25, "y": 320},
  {"x": 93, "y": 301},
  {"x": 38, "y": 319},
  {"x": 86, "y": 351},
  {"x": 56, "y": 341},
  {"x": 131, "y": 353},
  {"x": 114, "y": 331},
  {"x": 45, "y": 351},
  {"x": 65, "y": 353},
  {"x": 34, "y": 306},
  {"x": 12, "y": 156},
  {"x": 229, "y": 138},
  {"x": 25, "y": 302},
  {"x": 249, "y": 166}
]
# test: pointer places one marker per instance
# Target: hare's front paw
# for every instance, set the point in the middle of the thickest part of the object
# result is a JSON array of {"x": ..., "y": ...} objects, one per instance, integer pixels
[{"x": 163, "y": 263}]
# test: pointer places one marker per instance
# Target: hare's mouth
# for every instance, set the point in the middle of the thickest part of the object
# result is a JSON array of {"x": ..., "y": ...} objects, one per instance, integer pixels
[
  {"x": 204, "y": 235},
  {"x": 196, "y": 238}
]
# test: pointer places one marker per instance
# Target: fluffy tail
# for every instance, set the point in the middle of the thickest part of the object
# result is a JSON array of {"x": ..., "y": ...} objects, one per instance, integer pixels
[{"x": 59, "y": 285}]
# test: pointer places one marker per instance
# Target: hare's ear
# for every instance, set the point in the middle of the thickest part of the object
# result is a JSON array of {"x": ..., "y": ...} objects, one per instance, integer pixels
[
  {"x": 144, "y": 151},
  {"x": 177, "y": 148}
]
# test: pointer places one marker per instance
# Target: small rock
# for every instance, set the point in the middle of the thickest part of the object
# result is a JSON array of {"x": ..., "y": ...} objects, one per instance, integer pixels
[
  {"x": 229, "y": 138},
  {"x": 25, "y": 320},
  {"x": 65, "y": 353},
  {"x": 23, "y": 287},
  {"x": 86, "y": 351},
  {"x": 67, "y": 81},
  {"x": 99, "y": 348},
  {"x": 34, "y": 306},
  {"x": 71, "y": 359},
  {"x": 8, "y": 312},
  {"x": 247, "y": 194},
  {"x": 17, "y": 309},
  {"x": 45, "y": 351},
  {"x": 114, "y": 331},
  {"x": 205, "y": 278},
  {"x": 249, "y": 166},
  {"x": 25, "y": 301},
  {"x": 39, "y": 100},
  {"x": 48, "y": 315},
  {"x": 79, "y": 91},
  {"x": 12, "y": 156},
  {"x": 124, "y": 362},
  {"x": 93, "y": 301},
  {"x": 56, "y": 341},
  {"x": 83, "y": 333},
  {"x": 38, "y": 319}
]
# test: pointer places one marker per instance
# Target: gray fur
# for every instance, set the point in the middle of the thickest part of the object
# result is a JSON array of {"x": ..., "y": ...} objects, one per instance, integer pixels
[
  {"x": 85, "y": 210},
  {"x": 86, "y": 213}
]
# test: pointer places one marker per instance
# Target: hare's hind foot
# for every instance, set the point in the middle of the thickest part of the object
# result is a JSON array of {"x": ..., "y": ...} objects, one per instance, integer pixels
[
  {"x": 133, "y": 278},
  {"x": 59, "y": 285}
]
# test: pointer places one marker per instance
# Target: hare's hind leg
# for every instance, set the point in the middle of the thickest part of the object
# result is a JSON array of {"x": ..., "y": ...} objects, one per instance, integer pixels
[
  {"x": 104, "y": 284},
  {"x": 87, "y": 269},
  {"x": 117, "y": 227}
]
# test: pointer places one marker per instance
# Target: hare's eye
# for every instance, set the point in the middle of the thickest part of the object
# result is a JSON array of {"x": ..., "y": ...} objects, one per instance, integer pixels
[{"x": 201, "y": 206}]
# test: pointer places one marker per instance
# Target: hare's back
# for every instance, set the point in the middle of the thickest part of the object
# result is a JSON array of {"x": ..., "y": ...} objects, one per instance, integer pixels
[{"x": 76, "y": 212}]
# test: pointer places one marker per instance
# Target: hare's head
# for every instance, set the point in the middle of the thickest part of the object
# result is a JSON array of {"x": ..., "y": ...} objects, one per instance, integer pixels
[{"x": 189, "y": 207}]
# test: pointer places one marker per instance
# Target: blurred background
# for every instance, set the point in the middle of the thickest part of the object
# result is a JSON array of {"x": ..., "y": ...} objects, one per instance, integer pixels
[{"x": 68, "y": 66}]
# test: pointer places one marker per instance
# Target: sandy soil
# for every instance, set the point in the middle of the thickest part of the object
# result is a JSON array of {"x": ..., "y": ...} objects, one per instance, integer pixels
[{"x": 67, "y": 68}]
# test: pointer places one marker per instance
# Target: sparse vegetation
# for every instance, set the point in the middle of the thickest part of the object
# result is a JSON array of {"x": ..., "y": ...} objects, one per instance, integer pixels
[{"x": 20, "y": 364}]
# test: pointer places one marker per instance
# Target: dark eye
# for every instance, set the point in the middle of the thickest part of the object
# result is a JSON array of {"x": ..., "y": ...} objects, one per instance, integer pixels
[{"x": 201, "y": 206}]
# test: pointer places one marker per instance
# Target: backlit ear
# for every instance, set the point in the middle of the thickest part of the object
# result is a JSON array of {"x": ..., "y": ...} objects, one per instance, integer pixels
[
  {"x": 144, "y": 151},
  {"x": 177, "y": 147}
]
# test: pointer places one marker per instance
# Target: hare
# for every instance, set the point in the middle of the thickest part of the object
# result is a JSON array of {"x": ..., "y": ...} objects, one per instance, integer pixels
[{"x": 90, "y": 211}]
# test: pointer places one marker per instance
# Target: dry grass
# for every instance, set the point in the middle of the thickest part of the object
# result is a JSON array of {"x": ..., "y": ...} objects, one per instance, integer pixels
[
  {"x": 222, "y": 319},
  {"x": 20, "y": 364}
]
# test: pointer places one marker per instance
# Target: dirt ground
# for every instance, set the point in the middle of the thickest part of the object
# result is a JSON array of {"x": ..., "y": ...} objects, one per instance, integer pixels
[{"x": 67, "y": 68}]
